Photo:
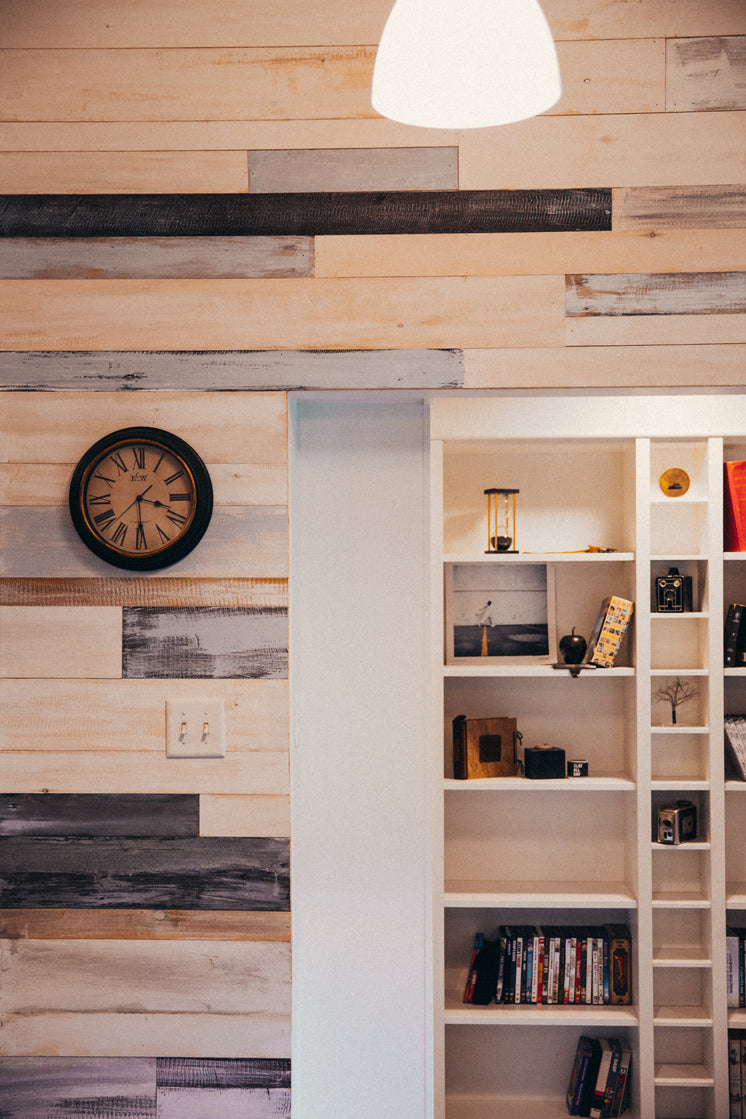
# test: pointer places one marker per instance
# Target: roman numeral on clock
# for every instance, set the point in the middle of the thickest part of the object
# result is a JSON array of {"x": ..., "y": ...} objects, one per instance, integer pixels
[
  {"x": 140, "y": 541},
  {"x": 176, "y": 518},
  {"x": 119, "y": 534},
  {"x": 179, "y": 497},
  {"x": 120, "y": 463},
  {"x": 139, "y": 456},
  {"x": 104, "y": 519}
]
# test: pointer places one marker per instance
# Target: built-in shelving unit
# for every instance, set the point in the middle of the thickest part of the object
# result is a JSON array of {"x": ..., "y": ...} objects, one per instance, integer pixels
[{"x": 585, "y": 850}]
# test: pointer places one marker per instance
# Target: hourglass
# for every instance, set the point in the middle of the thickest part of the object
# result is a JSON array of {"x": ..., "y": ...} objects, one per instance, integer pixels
[{"x": 501, "y": 522}]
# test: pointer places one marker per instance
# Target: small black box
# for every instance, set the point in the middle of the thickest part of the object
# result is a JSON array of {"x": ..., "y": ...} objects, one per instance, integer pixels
[{"x": 542, "y": 762}]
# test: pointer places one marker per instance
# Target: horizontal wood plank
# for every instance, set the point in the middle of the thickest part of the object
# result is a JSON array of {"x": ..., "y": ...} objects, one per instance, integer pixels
[
  {"x": 695, "y": 207},
  {"x": 643, "y": 150},
  {"x": 92, "y": 172},
  {"x": 664, "y": 293},
  {"x": 61, "y": 642},
  {"x": 144, "y": 873},
  {"x": 102, "y": 719},
  {"x": 526, "y": 254},
  {"x": 212, "y": 643},
  {"x": 99, "y": 23},
  {"x": 108, "y": 1088},
  {"x": 125, "y": 1034},
  {"x": 174, "y": 1072},
  {"x": 304, "y": 214},
  {"x": 89, "y": 814},
  {"x": 248, "y": 428},
  {"x": 102, "y": 258},
  {"x": 31, "y": 483},
  {"x": 250, "y": 541},
  {"x": 231, "y": 370},
  {"x": 253, "y": 771},
  {"x": 607, "y": 366},
  {"x": 135, "y": 976},
  {"x": 656, "y": 330},
  {"x": 705, "y": 74},
  {"x": 143, "y": 924},
  {"x": 223, "y": 1103},
  {"x": 296, "y": 314},
  {"x": 339, "y": 169},
  {"x": 158, "y": 591},
  {"x": 244, "y": 815},
  {"x": 230, "y": 82}
]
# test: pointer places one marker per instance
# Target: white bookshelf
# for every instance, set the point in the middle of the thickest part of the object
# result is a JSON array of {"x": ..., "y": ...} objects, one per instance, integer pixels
[{"x": 583, "y": 850}]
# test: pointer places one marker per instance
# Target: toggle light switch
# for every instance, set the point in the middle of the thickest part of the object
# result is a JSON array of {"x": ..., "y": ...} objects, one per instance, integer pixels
[{"x": 195, "y": 728}]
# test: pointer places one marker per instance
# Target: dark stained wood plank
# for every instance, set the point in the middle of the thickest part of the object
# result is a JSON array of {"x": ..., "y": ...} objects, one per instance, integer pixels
[
  {"x": 704, "y": 74},
  {"x": 211, "y": 643},
  {"x": 143, "y": 924},
  {"x": 137, "y": 591},
  {"x": 304, "y": 214},
  {"x": 194, "y": 1072},
  {"x": 54, "y": 1087},
  {"x": 223, "y": 1103},
  {"x": 207, "y": 873},
  {"x": 653, "y": 293},
  {"x": 99, "y": 258},
  {"x": 102, "y": 814},
  {"x": 232, "y": 370},
  {"x": 685, "y": 207},
  {"x": 347, "y": 169}
]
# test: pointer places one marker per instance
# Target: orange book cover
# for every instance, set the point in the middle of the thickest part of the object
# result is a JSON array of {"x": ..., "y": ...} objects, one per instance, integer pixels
[{"x": 734, "y": 513}]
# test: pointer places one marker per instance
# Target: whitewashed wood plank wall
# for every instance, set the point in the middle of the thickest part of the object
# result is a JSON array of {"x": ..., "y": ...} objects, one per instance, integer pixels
[{"x": 202, "y": 206}]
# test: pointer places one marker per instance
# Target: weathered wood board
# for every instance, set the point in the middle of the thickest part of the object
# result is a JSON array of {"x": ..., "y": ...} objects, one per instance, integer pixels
[
  {"x": 223, "y": 1103},
  {"x": 143, "y": 873},
  {"x": 244, "y": 815},
  {"x": 102, "y": 258},
  {"x": 143, "y": 924},
  {"x": 240, "y": 541},
  {"x": 212, "y": 643},
  {"x": 378, "y": 313},
  {"x": 99, "y": 718},
  {"x": 189, "y": 1073},
  {"x": 233, "y": 370},
  {"x": 165, "y": 171},
  {"x": 656, "y": 330},
  {"x": 304, "y": 214},
  {"x": 362, "y": 169},
  {"x": 664, "y": 293},
  {"x": 706, "y": 74},
  {"x": 32, "y": 1087},
  {"x": 694, "y": 207},
  {"x": 163, "y": 590},
  {"x": 97, "y": 814}
]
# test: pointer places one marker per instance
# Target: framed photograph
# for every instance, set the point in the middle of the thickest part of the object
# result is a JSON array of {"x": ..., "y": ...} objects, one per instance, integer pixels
[{"x": 500, "y": 613}]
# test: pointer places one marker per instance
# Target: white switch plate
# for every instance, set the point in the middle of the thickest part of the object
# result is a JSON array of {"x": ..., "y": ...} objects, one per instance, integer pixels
[{"x": 195, "y": 728}]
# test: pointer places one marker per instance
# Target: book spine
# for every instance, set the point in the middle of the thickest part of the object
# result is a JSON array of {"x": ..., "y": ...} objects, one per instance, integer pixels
[
  {"x": 472, "y": 976},
  {"x": 734, "y": 518},
  {"x": 616, "y": 616},
  {"x": 459, "y": 748},
  {"x": 732, "y": 630}
]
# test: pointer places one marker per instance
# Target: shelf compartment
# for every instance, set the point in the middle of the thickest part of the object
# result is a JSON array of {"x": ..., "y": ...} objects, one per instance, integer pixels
[
  {"x": 681, "y": 938},
  {"x": 518, "y": 1107},
  {"x": 681, "y": 874},
  {"x": 678, "y": 643},
  {"x": 681, "y": 1017},
  {"x": 506, "y": 1014},
  {"x": 683, "y": 1076},
  {"x": 537, "y": 894}
]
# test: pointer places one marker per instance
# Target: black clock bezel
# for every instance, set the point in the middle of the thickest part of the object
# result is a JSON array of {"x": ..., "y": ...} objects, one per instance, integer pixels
[{"x": 170, "y": 553}]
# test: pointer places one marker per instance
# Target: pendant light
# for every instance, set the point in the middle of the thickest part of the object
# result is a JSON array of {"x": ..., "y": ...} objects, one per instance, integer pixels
[{"x": 465, "y": 63}]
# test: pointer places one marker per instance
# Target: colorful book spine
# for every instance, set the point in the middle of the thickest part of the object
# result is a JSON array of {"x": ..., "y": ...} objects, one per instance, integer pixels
[
  {"x": 732, "y": 637},
  {"x": 734, "y": 507},
  {"x": 472, "y": 976},
  {"x": 611, "y": 625}
]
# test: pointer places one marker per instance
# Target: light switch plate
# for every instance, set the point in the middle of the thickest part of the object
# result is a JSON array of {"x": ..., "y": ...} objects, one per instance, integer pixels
[{"x": 195, "y": 728}]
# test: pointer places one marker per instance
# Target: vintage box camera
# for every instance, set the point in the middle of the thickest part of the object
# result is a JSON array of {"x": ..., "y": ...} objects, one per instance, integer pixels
[
  {"x": 543, "y": 762},
  {"x": 677, "y": 823},
  {"x": 673, "y": 592}
]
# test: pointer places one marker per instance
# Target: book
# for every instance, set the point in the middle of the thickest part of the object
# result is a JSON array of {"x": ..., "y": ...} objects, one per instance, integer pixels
[
  {"x": 619, "y": 969},
  {"x": 734, "y": 506},
  {"x": 733, "y": 638},
  {"x": 735, "y": 741},
  {"x": 583, "y": 1074},
  {"x": 472, "y": 976},
  {"x": 601, "y": 1078},
  {"x": 621, "y": 1091},
  {"x": 611, "y": 624},
  {"x": 736, "y": 1071},
  {"x": 611, "y": 1079},
  {"x": 732, "y": 967}
]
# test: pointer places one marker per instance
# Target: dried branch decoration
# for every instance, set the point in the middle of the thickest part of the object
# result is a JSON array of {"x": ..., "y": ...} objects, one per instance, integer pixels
[{"x": 677, "y": 692}]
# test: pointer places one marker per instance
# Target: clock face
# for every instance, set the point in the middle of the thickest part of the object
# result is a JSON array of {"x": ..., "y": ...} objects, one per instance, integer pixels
[{"x": 141, "y": 498}]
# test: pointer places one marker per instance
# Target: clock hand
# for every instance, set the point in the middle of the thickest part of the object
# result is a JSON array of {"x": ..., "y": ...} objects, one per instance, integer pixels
[{"x": 140, "y": 497}]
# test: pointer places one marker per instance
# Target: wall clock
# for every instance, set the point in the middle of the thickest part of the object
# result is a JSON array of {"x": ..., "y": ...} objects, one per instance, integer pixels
[{"x": 141, "y": 498}]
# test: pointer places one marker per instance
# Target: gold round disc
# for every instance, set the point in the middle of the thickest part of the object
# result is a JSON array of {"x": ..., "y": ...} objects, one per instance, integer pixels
[{"x": 674, "y": 482}]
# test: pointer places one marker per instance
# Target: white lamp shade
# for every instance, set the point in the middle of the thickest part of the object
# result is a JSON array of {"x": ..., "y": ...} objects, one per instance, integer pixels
[{"x": 465, "y": 63}]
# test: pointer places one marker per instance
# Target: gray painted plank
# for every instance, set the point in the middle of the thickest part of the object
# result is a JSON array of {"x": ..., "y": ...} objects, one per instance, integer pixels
[
  {"x": 102, "y": 814},
  {"x": 223, "y": 1103},
  {"x": 41, "y": 542},
  {"x": 704, "y": 74},
  {"x": 304, "y": 214},
  {"x": 101, "y": 258},
  {"x": 205, "y": 643},
  {"x": 235, "y": 370},
  {"x": 203, "y": 1072},
  {"x": 656, "y": 293},
  {"x": 685, "y": 207},
  {"x": 77, "y": 1087},
  {"x": 211, "y": 873},
  {"x": 342, "y": 169}
]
